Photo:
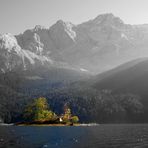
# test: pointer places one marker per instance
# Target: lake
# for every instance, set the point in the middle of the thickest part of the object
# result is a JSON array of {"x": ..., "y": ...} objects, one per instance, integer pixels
[{"x": 101, "y": 136}]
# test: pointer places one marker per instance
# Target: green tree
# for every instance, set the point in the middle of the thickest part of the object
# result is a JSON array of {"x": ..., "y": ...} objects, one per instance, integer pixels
[
  {"x": 39, "y": 111},
  {"x": 75, "y": 119}
]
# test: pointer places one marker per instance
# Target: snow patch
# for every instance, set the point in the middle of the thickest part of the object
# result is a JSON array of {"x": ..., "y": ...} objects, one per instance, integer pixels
[
  {"x": 84, "y": 70},
  {"x": 32, "y": 57},
  {"x": 39, "y": 27},
  {"x": 69, "y": 30},
  {"x": 124, "y": 36},
  {"x": 2, "y": 70},
  {"x": 40, "y": 46},
  {"x": 9, "y": 42}
]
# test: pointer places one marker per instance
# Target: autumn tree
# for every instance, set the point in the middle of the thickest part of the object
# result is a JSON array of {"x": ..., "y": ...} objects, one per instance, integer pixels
[
  {"x": 67, "y": 117},
  {"x": 39, "y": 111}
]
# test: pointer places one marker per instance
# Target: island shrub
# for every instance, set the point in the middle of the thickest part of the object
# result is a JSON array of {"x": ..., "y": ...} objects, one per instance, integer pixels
[{"x": 75, "y": 119}]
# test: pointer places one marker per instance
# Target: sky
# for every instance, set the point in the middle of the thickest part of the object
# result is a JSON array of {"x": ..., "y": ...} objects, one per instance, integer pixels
[{"x": 18, "y": 15}]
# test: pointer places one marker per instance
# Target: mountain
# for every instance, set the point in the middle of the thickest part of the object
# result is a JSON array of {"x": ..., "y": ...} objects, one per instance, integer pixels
[
  {"x": 13, "y": 57},
  {"x": 129, "y": 77},
  {"x": 96, "y": 45}
]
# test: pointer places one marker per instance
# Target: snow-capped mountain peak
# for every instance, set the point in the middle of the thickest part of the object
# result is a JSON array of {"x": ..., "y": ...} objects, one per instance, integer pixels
[
  {"x": 13, "y": 56},
  {"x": 70, "y": 31},
  {"x": 65, "y": 26},
  {"x": 98, "y": 44},
  {"x": 39, "y": 27},
  {"x": 9, "y": 42}
]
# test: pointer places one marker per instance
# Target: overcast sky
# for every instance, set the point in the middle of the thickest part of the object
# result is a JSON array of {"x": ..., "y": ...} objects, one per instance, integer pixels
[{"x": 18, "y": 15}]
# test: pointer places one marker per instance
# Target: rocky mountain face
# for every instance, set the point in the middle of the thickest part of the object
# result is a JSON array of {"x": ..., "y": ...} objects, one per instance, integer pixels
[
  {"x": 97, "y": 45},
  {"x": 13, "y": 57}
]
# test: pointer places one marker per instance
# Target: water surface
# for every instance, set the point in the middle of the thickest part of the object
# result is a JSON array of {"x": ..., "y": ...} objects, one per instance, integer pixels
[{"x": 102, "y": 136}]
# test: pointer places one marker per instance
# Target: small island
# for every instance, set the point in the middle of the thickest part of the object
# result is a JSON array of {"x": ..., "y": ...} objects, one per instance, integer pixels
[{"x": 38, "y": 113}]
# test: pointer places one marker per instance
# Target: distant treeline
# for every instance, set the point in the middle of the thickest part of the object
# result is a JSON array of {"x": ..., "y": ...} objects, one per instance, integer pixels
[
  {"x": 98, "y": 106},
  {"x": 91, "y": 105}
]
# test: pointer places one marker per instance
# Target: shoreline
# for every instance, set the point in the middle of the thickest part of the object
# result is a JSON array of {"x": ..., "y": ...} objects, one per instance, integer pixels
[
  {"x": 57, "y": 124},
  {"x": 24, "y": 124}
]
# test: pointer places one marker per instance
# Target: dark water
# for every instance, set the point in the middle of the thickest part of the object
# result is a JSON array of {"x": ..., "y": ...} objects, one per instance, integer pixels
[{"x": 102, "y": 136}]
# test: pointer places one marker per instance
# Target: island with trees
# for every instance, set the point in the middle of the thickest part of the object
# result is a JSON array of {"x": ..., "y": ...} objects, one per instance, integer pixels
[{"x": 39, "y": 113}]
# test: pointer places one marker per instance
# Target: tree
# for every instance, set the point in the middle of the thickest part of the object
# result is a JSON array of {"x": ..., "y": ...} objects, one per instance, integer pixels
[
  {"x": 75, "y": 119},
  {"x": 67, "y": 117},
  {"x": 39, "y": 111},
  {"x": 67, "y": 113}
]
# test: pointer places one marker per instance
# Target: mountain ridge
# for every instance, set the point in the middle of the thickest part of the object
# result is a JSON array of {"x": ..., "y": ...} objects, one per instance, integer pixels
[{"x": 96, "y": 45}]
